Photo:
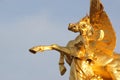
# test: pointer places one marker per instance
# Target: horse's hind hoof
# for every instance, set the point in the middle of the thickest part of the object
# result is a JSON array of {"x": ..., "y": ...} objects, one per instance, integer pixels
[{"x": 32, "y": 51}]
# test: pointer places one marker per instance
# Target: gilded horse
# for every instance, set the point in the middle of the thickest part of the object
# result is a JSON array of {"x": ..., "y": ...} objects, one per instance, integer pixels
[
  {"x": 93, "y": 63},
  {"x": 91, "y": 54}
]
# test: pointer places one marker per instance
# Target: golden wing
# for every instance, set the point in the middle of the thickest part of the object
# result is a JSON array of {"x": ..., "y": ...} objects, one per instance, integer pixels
[{"x": 100, "y": 21}]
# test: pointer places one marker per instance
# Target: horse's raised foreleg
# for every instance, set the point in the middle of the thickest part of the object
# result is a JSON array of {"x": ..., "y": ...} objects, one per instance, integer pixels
[
  {"x": 62, "y": 50},
  {"x": 36, "y": 49},
  {"x": 50, "y": 47},
  {"x": 62, "y": 68}
]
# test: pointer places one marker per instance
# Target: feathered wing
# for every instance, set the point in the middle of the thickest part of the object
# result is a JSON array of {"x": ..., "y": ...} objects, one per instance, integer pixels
[{"x": 100, "y": 21}]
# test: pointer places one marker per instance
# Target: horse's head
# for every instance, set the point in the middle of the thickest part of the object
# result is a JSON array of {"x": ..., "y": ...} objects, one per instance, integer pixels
[{"x": 83, "y": 26}]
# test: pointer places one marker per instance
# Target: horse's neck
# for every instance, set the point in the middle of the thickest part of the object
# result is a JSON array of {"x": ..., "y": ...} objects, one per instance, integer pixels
[{"x": 84, "y": 39}]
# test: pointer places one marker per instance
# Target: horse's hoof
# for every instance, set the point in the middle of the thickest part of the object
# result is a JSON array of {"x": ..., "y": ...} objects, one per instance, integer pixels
[
  {"x": 62, "y": 69},
  {"x": 32, "y": 51}
]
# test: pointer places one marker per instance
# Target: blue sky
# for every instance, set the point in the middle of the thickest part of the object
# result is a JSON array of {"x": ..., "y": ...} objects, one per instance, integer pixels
[{"x": 26, "y": 23}]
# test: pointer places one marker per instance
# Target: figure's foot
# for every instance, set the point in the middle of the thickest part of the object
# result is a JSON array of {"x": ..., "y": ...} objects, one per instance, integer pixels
[{"x": 62, "y": 69}]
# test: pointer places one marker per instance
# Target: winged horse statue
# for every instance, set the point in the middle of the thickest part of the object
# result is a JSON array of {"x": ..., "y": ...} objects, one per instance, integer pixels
[{"x": 91, "y": 54}]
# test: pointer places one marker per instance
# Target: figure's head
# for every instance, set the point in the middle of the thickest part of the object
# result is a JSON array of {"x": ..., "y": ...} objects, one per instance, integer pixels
[{"x": 83, "y": 26}]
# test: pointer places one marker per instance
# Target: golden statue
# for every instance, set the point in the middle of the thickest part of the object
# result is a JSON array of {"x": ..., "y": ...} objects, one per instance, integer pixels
[{"x": 91, "y": 54}]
